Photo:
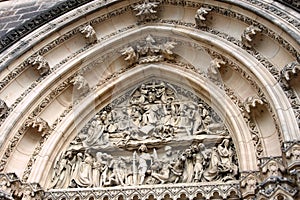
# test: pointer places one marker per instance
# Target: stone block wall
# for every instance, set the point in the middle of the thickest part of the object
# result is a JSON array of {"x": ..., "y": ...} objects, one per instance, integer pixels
[{"x": 13, "y": 13}]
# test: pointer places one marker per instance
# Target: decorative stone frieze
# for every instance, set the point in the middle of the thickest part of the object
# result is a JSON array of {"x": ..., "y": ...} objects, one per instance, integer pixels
[
  {"x": 89, "y": 33},
  {"x": 149, "y": 51},
  {"x": 248, "y": 35},
  {"x": 3, "y": 109},
  {"x": 201, "y": 17},
  {"x": 252, "y": 102},
  {"x": 40, "y": 64},
  {"x": 146, "y": 11}
]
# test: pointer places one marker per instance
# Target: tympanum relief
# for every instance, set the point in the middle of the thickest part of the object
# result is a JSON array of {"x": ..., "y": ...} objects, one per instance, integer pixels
[{"x": 157, "y": 133}]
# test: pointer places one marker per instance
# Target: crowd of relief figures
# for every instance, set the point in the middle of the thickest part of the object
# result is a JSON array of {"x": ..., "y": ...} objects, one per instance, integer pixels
[{"x": 156, "y": 133}]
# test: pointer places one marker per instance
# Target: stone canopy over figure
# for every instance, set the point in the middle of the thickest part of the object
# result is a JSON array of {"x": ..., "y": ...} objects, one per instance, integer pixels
[{"x": 158, "y": 134}]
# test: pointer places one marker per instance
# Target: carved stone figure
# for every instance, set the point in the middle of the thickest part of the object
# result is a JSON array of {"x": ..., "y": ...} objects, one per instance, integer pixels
[
  {"x": 81, "y": 85},
  {"x": 3, "y": 108},
  {"x": 146, "y": 11},
  {"x": 89, "y": 33},
  {"x": 144, "y": 160},
  {"x": 40, "y": 64},
  {"x": 200, "y": 17},
  {"x": 249, "y": 34}
]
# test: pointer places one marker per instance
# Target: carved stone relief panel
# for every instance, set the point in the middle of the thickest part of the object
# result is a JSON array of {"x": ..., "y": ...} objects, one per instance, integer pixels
[{"x": 157, "y": 133}]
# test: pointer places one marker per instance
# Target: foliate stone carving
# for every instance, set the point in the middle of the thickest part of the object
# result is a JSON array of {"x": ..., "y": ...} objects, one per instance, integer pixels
[
  {"x": 213, "y": 69},
  {"x": 39, "y": 63},
  {"x": 292, "y": 154},
  {"x": 249, "y": 182},
  {"x": 290, "y": 70},
  {"x": 277, "y": 182},
  {"x": 252, "y": 102},
  {"x": 146, "y": 11},
  {"x": 81, "y": 85},
  {"x": 152, "y": 135},
  {"x": 149, "y": 51},
  {"x": 89, "y": 33},
  {"x": 40, "y": 124},
  {"x": 16, "y": 189},
  {"x": 249, "y": 34},
  {"x": 3, "y": 109},
  {"x": 200, "y": 17}
]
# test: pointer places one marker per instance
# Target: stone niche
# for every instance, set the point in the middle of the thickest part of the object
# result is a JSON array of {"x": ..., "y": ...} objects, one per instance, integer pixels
[{"x": 155, "y": 134}]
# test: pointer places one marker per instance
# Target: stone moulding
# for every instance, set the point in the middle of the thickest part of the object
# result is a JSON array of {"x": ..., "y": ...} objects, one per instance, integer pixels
[{"x": 207, "y": 190}]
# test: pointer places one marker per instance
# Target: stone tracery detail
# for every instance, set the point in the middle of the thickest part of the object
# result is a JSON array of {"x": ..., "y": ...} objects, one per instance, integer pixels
[{"x": 156, "y": 136}]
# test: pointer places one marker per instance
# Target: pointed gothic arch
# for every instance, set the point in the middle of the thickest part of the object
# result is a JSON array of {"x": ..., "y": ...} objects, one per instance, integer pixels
[{"x": 57, "y": 78}]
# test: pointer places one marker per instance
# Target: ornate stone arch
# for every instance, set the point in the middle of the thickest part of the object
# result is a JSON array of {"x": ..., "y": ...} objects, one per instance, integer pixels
[{"x": 58, "y": 78}]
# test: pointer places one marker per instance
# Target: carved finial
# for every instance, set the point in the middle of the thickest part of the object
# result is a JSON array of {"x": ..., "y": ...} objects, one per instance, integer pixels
[
  {"x": 89, "y": 33},
  {"x": 200, "y": 17},
  {"x": 289, "y": 70},
  {"x": 214, "y": 65},
  {"x": 39, "y": 123},
  {"x": 248, "y": 35},
  {"x": 81, "y": 85},
  {"x": 146, "y": 11},
  {"x": 3, "y": 108},
  {"x": 252, "y": 102},
  {"x": 40, "y": 64}
]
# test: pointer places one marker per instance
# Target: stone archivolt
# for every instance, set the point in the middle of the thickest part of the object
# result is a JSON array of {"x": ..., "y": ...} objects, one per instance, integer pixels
[{"x": 157, "y": 139}]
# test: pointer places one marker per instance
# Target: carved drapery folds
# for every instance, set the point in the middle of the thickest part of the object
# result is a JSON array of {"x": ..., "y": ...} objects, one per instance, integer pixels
[
  {"x": 146, "y": 11},
  {"x": 200, "y": 17},
  {"x": 14, "y": 188},
  {"x": 248, "y": 35},
  {"x": 40, "y": 64},
  {"x": 157, "y": 133},
  {"x": 89, "y": 33},
  {"x": 148, "y": 51}
]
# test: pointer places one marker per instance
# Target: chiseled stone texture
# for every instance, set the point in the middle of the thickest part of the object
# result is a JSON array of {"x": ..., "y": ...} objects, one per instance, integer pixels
[{"x": 15, "y": 12}]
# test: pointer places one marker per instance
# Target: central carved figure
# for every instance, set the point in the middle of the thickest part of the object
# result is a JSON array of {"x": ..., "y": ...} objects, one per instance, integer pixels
[{"x": 157, "y": 133}]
